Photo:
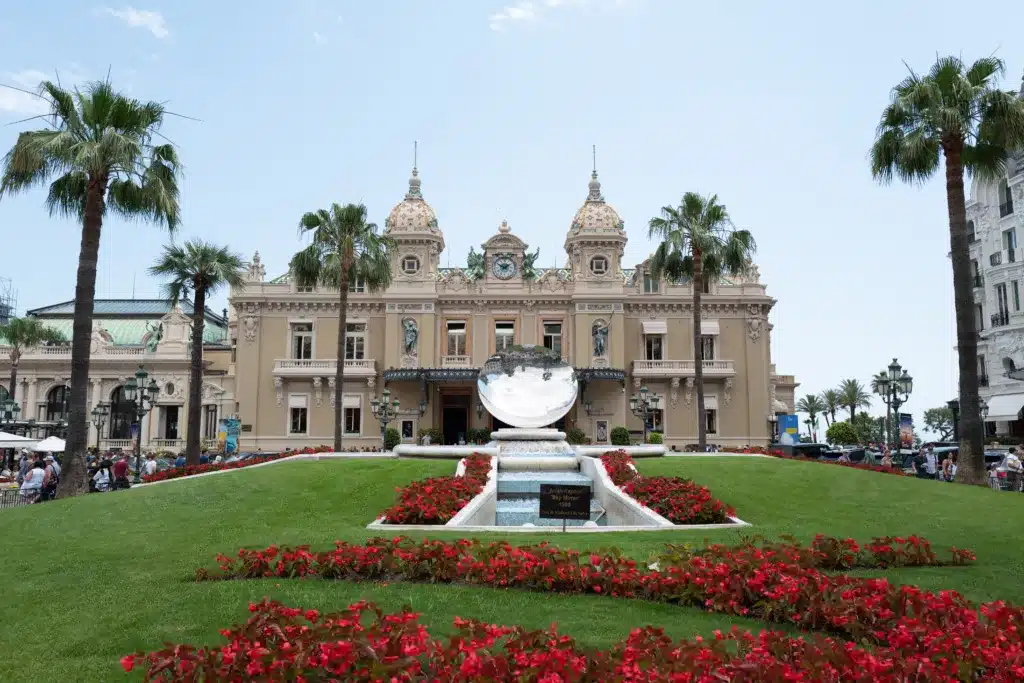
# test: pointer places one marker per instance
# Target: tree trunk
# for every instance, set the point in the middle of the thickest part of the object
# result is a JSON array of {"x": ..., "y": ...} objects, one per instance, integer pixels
[
  {"x": 971, "y": 458},
  {"x": 73, "y": 475},
  {"x": 698, "y": 364},
  {"x": 195, "y": 380},
  {"x": 339, "y": 373}
]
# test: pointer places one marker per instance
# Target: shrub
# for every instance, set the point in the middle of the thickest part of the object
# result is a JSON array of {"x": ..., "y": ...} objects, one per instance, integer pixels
[
  {"x": 436, "y": 435},
  {"x": 391, "y": 439},
  {"x": 841, "y": 433},
  {"x": 575, "y": 436},
  {"x": 479, "y": 435},
  {"x": 620, "y": 436},
  {"x": 655, "y": 438}
]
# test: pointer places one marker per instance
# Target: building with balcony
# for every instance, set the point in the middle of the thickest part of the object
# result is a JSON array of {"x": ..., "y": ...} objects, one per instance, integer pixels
[
  {"x": 428, "y": 334},
  {"x": 995, "y": 222},
  {"x": 126, "y": 333}
]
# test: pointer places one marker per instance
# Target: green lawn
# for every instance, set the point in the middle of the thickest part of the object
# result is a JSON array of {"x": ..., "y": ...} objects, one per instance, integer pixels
[{"x": 89, "y": 580}]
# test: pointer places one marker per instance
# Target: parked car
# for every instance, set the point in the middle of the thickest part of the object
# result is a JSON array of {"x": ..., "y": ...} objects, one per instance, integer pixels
[{"x": 806, "y": 450}]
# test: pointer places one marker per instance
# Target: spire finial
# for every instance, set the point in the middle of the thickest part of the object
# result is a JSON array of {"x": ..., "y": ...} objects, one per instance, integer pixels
[
  {"x": 415, "y": 153},
  {"x": 414, "y": 181},
  {"x": 594, "y": 154}
]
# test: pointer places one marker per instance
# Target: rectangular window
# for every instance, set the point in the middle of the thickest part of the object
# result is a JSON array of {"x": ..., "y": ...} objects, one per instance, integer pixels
[
  {"x": 298, "y": 414},
  {"x": 553, "y": 337},
  {"x": 355, "y": 341},
  {"x": 711, "y": 421},
  {"x": 357, "y": 286},
  {"x": 653, "y": 347},
  {"x": 705, "y": 284},
  {"x": 302, "y": 341},
  {"x": 1001, "y": 300},
  {"x": 352, "y": 420},
  {"x": 981, "y": 366},
  {"x": 656, "y": 421},
  {"x": 504, "y": 335},
  {"x": 979, "y": 318},
  {"x": 407, "y": 431},
  {"x": 210, "y": 420},
  {"x": 707, "y": 347},
  {"x": 1016, "y": 295},
  {"x": 456, "y": 338},
  {"x": 1010, "y": 244},
  {"x": 651, "y": 284},
  {"x": 298, "y": 421}
]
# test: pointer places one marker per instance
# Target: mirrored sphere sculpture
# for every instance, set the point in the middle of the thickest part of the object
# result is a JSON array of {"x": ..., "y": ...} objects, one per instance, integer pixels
[{"x": 527, "y": 387}]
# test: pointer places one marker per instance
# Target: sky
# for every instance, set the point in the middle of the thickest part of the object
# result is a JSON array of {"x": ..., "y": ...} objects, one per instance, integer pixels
[{"x": 771, "y": 106}]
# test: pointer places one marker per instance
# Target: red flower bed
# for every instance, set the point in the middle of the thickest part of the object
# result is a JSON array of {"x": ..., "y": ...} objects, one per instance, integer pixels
[
  {"x": 191, "y": 470},
  {"x": 678, "y": 500},
  {"x": 438, "y": 499},
  {"x": 895, "y": 469},
  {"x": 362, "y": 643}
]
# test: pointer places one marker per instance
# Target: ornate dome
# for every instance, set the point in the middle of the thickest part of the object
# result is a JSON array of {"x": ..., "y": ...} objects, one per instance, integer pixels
[
  {"x": 595, "y": 216},
  {"x": 412, "y": 214}
]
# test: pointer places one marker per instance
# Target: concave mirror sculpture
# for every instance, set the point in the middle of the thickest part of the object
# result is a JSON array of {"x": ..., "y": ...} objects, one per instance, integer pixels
[{"x": 527, "y": 386}]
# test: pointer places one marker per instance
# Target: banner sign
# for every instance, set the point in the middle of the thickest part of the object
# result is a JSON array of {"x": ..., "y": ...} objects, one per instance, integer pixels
[
  {"x": 789, "y": 429},
  {"x": 227, "y": 434},
  {"x": 906, "y": 430}
]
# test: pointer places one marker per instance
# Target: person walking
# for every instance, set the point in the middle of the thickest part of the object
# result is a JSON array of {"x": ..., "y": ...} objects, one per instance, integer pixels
[
  {"x": 149, "y": 467},
  {"x": 51, "y": 478},
  {"x": 121, "y": 474}
]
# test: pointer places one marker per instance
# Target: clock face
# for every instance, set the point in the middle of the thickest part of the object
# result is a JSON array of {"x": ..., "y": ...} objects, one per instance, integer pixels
[{"x": 504, "y": 267}]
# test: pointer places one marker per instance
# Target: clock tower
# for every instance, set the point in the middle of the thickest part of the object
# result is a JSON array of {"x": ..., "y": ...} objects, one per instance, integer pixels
[{"x": 503, "y": 258}]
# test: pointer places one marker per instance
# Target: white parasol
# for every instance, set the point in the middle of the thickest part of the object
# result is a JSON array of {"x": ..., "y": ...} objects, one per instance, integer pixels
[{"x": 50, "y": 444}]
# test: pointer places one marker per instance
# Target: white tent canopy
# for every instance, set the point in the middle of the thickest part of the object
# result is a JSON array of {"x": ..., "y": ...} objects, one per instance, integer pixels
[
  {"x": 13, "y": 441},
  {"x": 50, "y": 444}
]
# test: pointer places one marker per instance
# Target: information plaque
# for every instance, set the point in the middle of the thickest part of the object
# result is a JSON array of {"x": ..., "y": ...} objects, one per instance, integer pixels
[{"x": 564, "y": 501}]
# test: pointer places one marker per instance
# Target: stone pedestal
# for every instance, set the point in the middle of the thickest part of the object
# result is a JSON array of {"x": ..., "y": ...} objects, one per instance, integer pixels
[{"x": 533, "y": 449}]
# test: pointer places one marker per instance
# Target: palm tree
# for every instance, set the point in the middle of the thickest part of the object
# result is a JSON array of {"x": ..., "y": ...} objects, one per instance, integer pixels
[
  {"x": 22, "y": 334},
  {"x": 345, "y": 248},
  {"x": 202, "y": 268},
  {"x": 879, "y": 386},
  {"x": 100, "y": 153},
  {"x": 852, "y": 396},
  {"x": 830, "y": 398},
  {"x": 699, "y": 242},
  {"x": 953, "y": 113},
  {"x": 813, "y": 406}
]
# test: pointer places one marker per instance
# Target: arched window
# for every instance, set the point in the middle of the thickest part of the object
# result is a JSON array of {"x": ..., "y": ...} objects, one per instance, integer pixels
[
  {"x": 57, "y": 403},
  {"x": 122, "y": 414},
  {"x": 1009, "y": 365}
]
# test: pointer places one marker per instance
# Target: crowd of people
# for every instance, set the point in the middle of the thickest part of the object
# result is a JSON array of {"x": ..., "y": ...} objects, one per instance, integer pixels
[{"x": 37, "y": 476}]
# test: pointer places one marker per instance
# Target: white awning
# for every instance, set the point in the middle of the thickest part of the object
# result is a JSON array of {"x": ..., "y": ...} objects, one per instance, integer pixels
[
  {"x": 709, "y": 327},
  {"x": 350, "y": 401},
  {"x": 655, "y": 327},
  {"x": 50, "y": 444},
  {"x": 710, "y": 403},
  {"x": 298, "y": 401},
  {"x": 1004, "y": 408},
  {"x": 14, "y": 441}
]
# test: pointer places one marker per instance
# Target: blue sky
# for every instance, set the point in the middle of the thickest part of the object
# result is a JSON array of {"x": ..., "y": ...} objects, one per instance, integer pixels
[{"x": 770, "y": 105}]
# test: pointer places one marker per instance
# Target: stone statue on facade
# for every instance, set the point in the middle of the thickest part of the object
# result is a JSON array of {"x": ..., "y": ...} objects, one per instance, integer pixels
[
  {"x": 475, "y": 265},
  {"x": 529, "y": 269},
  {"x": 410, "y": 336},
  {"x": 600, "y": 334},
  {"x": 154, "y": 333}
]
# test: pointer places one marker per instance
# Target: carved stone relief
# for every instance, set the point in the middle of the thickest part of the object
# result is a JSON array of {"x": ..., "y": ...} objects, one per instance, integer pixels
[
  {"x": 330, "y": 386},
  {"x": 279, "y": 386},
  {"x": 674, "y": 393},
  {"x": 318, "y": 393},
  {"x": 688, "y": 397},
  {"x": 728, "y": 390}
]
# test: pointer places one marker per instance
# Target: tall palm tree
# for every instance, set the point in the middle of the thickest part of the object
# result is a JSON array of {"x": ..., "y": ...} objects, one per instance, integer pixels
[
  {"x": 345, "y": 248},
  {"x": 955, "y": 114},
  {"x": 830, "y": 399},
  {"x": 699, "y": 242},
  {"x": 813, "y": 406},
  {"x": 101, "y": 155},
  {"x": 879, "y": 385},
  {"x": 852, "y": 396},
  {"x": 202, "y": 268},
  {"x": 21, "y": 334}
]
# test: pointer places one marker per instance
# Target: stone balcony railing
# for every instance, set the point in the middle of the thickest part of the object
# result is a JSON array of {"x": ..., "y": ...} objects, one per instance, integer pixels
[
  {"x": 166, "y": 444},
  {"x": 682, "y": 368},
  {"x": 65, "y": 352},
  {"x": 454, "y": 362},
  {"x": 323, "y": 367},
  {"x": 111, "y": 444}
]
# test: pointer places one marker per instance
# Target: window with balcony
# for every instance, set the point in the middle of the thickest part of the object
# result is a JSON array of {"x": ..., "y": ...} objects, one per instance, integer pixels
[
  {"x": 504, "y": 335},
  {"x": 1015, "y": 285},
  {"x": 652, "y": 285},
  {"x": 1005, "y": 199},
  {"x": 1010, "y": 244},
  {"x": 357, "y": 286},
  {"x": 353, "y": 419},
  {"x": 1002, "y": 317},
  {"x": 553, "y": 337},
  {"x": 707, "y": 347},
  {"x": 298, "y": 414},
  {"x": 302, "y": 341},
  {"x": 456, "y": 338},
  {"x": 971, "y": 236},
  {"x": 711, "y": 421},
  {"x": 355, "y": 341},
  {"x": 654, "y": 347}
]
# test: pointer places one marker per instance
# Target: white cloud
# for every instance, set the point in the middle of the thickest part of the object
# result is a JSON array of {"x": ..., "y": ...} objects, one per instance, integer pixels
[
  {"x": 150, "y": 20},
  {"x": 318, "y": 38},
  {"x": 529, "y": 11},
  {"x": 25, "y": 103}
]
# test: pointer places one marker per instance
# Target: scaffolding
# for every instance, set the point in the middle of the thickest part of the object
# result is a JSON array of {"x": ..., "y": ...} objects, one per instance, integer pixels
[{"x": 8, "y": 300}]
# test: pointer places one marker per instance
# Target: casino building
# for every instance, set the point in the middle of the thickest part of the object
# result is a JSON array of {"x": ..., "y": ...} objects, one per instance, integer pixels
[{"x": 427, "y": 335}]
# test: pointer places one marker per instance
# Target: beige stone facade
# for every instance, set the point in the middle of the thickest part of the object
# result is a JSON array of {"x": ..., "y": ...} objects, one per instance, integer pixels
[{"x": 425, "y": 337}]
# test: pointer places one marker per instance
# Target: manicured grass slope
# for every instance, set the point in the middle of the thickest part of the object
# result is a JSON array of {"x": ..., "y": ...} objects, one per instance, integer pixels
[{"x": 91, "y": 579}]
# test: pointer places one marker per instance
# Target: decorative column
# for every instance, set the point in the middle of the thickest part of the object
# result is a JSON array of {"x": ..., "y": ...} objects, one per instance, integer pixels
[
  {"x": 97, "y": 392},
  {"x": 144, "y": 428},
  {"x": 29, "y": 411}
]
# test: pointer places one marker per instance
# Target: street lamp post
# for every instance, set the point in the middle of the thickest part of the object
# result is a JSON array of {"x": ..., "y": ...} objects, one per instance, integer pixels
[
  {"x": 9, "y": 410},
  {"x": 643, "y": 404},
  {"x": 773, "y": 428},
  {"x": 99, "y": 418},
  {"x": 385, "y": 410},
  {"x": 895, "y": 390},
  {"x": 142, "y": 396}
]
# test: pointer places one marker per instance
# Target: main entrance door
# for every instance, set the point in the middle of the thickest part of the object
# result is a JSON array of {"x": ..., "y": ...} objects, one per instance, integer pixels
[{"x": 455, "y": 418}]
